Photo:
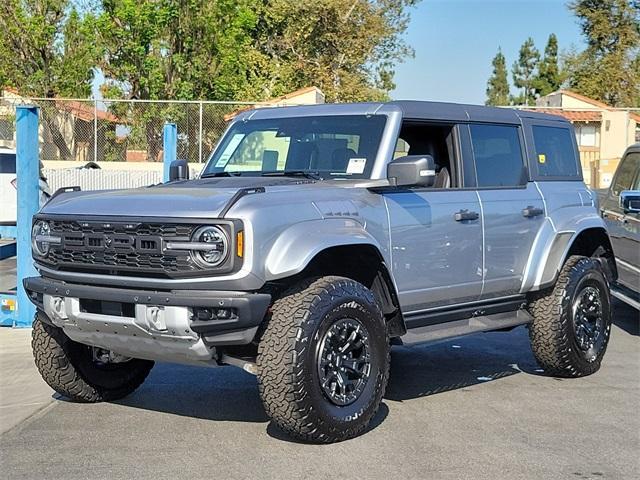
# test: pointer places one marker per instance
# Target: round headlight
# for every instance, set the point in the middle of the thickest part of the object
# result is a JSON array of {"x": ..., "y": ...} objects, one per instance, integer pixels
[
  {"x": 40, "y": 228},
  {"x": 212, "y": 248}
]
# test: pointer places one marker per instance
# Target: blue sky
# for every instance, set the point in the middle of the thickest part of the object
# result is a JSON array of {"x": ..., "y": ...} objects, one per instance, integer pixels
[{"x": 455, "y": 41}]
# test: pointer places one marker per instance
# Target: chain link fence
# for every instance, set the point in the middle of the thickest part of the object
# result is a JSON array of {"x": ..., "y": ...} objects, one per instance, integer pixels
[
  {"x": 121, "y": 130},
  {"x": 130, "y": 132}
]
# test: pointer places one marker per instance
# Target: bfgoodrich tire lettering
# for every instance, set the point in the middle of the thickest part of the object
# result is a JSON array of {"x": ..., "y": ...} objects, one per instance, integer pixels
[
  {"x": 69, "y": 369},
  {"x": 288, "y": 373},
  {"x": 557, "y": 339}
]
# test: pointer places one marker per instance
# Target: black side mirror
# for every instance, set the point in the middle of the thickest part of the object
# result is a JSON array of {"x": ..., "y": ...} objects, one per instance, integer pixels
[
  {"x": 178, "y": 170},
  {"x": 630, "y": 201},
  {"x": 412, "y": 171}
]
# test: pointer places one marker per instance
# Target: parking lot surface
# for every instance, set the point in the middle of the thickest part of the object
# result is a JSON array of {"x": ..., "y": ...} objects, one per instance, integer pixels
[{"x": 476, "y": 408}]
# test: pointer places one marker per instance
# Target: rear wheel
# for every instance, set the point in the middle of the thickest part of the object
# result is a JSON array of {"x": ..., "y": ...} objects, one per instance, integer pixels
[
  {"x": 572, "y": 321},
  {"x": 323, "y": 360},
  {"x": 80, "y": 372}
]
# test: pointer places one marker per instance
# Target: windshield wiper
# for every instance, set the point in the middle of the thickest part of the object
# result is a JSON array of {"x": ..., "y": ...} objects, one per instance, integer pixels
[{"x": 293, "y": 173}]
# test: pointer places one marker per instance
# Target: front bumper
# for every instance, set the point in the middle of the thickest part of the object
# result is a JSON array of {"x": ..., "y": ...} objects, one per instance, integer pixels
[{"x": 157, "y": 325}]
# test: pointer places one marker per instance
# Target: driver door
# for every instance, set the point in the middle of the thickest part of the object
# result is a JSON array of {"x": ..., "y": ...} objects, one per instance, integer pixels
[{"x": 436, "y": 254}]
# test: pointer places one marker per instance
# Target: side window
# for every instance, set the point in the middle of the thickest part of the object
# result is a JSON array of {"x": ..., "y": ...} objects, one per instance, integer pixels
[
  {"x": 418, "y": 138},
  {"x": 555, "y": 153},
  {"x": 498, "y": 155},
  {"x": 626, "y": 171}
]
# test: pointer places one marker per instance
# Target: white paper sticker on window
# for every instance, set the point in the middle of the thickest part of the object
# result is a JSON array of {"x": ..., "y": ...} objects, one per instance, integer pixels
[
  {"x": 356, "y": 166},
  {"x": 230, "y": 149}
]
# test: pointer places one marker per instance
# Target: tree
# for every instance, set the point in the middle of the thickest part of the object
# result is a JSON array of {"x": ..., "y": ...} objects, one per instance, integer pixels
[
  {"x": 47, "y": 50},
  {"x": 609, "y": 68},
  {"x": 549, "y": 78},
  {"x": 523, "y": 72},
  {"x": 173, "y": 49},
  {"x": 347, "y": 49},
  {"x": 498, "y": 84}
]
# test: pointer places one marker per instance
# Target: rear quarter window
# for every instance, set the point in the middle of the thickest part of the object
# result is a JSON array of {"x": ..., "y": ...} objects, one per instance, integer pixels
[
  {"x": 7, "y": 163},
  {"x": 555, "y": 152}
]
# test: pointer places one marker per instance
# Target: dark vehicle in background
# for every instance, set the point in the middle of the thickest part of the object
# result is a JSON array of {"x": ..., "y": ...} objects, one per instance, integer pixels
[{"x": 620, "y": 208}]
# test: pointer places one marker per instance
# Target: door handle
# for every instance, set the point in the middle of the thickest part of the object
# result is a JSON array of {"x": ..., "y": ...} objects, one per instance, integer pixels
[
  {"x": 463, "y": 215},
  {"x": 532, "y": 211}
]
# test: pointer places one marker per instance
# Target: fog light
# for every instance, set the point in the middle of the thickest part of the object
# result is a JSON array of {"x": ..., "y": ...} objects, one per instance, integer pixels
[{"x": 208, "y": 314}]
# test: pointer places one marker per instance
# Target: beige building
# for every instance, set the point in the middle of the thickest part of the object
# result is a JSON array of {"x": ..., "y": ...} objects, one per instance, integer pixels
[
  {"x": 66, "y": 127},
  {"x": 602, "y": 133}
]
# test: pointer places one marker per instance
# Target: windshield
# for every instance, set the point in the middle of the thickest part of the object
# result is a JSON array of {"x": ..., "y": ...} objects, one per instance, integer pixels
[{"x": 322, "y": 147}]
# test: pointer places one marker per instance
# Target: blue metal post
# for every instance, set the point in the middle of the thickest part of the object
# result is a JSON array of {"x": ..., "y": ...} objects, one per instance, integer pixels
[
  {"x": 170, "y": 146},
  {"x": 28, "y": 175}
]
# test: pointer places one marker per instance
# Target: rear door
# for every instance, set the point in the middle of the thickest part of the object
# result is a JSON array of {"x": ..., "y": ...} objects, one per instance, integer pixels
[{"x": 512, "y": 207}]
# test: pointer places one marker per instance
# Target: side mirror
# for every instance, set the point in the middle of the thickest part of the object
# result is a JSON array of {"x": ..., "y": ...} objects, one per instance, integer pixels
[
  {"x": 412, "y": 171},
  {"x": 178, "y": 170},
  {"x": 630, "y": 201}
]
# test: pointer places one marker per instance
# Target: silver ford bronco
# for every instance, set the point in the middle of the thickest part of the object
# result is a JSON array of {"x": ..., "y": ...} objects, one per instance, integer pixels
[{"x": 313, "y": 240}]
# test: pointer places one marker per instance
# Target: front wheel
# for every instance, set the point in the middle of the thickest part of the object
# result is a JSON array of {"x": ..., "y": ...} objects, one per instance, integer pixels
[
  {"x": 80, "y": 372},
  {"x": 572, "y": 321},
  {"x": 323, "y": 360}
]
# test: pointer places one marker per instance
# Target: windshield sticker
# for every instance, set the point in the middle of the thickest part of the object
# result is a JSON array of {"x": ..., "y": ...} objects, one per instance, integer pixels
[
  {"x": 356, "y": 166},
  {"x": 230, "y": 149}
]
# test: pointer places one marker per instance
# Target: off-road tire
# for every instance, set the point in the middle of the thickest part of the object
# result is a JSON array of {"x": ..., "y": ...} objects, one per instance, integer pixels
[
  {"x": 552, "y": 332},
  {"x": 68, "y": 367},
  {"x": 288, "y": 377}
]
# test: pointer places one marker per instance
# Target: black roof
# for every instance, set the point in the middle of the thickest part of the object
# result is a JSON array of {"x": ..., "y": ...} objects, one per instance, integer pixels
[
  {"x": 411, "y": 109},
  {"x": 460, "y": 112}
]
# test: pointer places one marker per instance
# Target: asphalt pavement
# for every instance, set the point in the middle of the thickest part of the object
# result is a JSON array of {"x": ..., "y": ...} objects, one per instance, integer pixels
[{"x": 472, "y": 408}]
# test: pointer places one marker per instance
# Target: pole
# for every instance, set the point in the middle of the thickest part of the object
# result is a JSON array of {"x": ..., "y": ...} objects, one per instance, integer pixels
[
  {"x": 170, "y": 147},
  {"x": 95, "y": 130},
  {"x": 200, "y": 136},
  {"x": 28, "y": 175}
]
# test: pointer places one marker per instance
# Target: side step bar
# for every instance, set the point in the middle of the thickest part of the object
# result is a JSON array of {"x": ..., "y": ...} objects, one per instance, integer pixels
[
  {"x": 458, "y": 328},
  {"x": 622, "y": 296}
]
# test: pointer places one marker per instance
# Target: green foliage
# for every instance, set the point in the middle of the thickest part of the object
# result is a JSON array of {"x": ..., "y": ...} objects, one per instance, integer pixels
[
  {"x": 347, "y": 49},
  {"x": 523, "y": 72},
  {"x": 498, "y": 84},
  {"x": 46, "y": 49},
  {"x": 176, "y": 49},
  {"x": 548, "y": 78},
  {"x": 609, "y": 69}
]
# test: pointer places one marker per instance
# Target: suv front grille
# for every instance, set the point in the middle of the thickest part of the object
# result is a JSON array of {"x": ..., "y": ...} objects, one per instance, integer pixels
[{"x": 120, "y": 248}]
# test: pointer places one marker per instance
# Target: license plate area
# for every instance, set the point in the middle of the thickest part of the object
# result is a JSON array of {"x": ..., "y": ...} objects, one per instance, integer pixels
[{"x": 102, "y": 307}]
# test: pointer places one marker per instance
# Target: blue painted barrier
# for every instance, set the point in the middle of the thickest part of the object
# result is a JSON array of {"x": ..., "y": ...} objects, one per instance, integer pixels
[
  {"x": 27, "y": 173},
  {"x": 7, "y": 249},
  {"x": 170, "y": 148}
]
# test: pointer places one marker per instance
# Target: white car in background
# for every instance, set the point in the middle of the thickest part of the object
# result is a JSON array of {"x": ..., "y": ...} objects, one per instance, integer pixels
[{"x": 8, "y": 187}]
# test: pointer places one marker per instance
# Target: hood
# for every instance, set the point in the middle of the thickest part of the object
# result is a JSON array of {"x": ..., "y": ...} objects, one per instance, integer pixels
[{"x": 201, "y": 198}]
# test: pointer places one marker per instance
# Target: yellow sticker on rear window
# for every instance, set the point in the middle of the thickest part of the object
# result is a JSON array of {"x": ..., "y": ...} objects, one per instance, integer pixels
[{"x": 542, "y": 158}]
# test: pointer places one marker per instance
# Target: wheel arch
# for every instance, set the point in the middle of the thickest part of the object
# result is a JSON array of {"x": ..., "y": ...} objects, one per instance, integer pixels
[
  {"x": 357, "y": 257},
  {"x": 590, "y": 241}
]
